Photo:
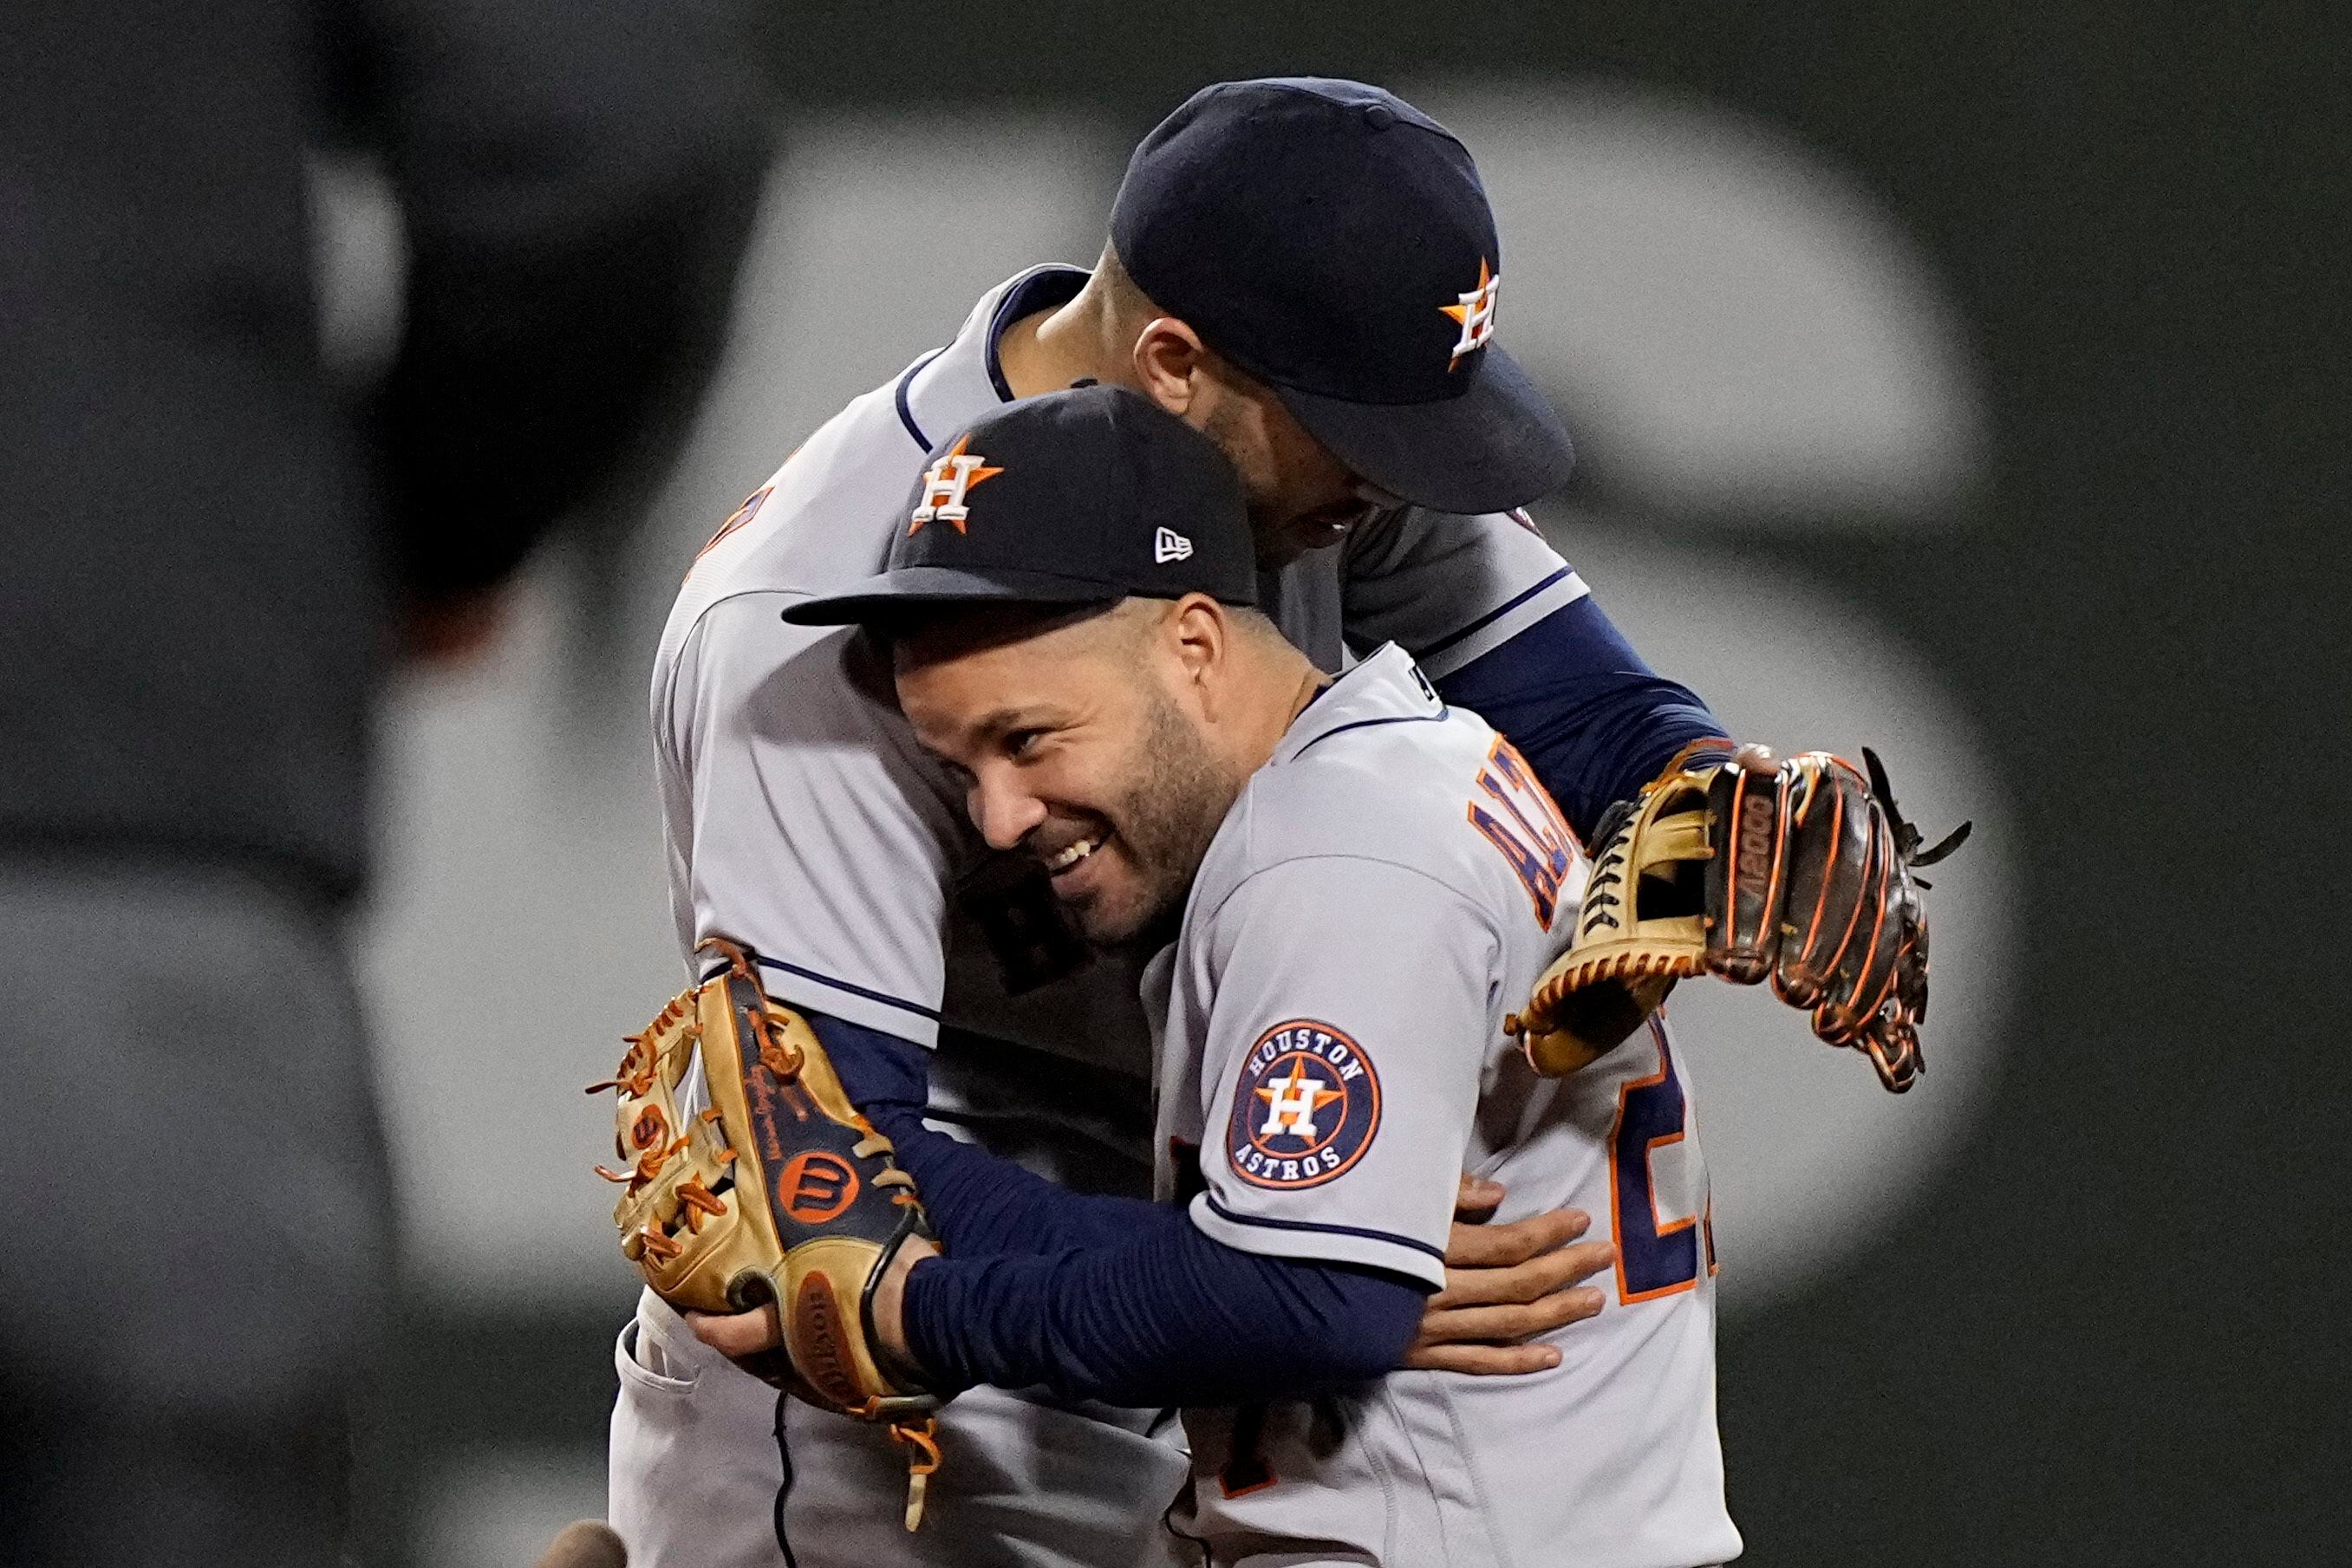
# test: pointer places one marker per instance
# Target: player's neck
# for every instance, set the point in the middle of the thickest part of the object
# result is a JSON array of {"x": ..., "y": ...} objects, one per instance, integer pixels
[
  {"x": 1282, "y": 683},
  {"x": 1078, "y": 340}
]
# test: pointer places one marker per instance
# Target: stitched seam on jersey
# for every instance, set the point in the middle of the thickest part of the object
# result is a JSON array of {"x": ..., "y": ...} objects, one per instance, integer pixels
[
  {"x": 872, "y": 996},
  {"x": 1343, "y": 679},
  {"x": 905, "y": 381},
  {"x": 1485, "y": 1514},
  {"x": 1464, "y": 899},
  {"x": 1388, "y": 1388},
  {"x": 1442, "y": 712},
  {"x": 1222, "y": 1212},
  {"x": 1388, "y": 1483},
  {"x": 730, "y": 596},
  {"x": 1493, "y": 616},
  {"x": 784, "y": 1483},
  {"x": 993, "y": 362},
  {"x": 664, "y": 732},
  {"x": 1560, "y": 599}
]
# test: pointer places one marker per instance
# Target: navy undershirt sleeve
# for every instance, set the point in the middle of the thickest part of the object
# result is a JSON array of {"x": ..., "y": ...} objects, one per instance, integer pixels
[
  {"x": 979, "y": 1203},
  {"x": 1166, "y": 1316},
  {"x": 1592, "y": 719},
  {"x": 1101, "y": 1297}
]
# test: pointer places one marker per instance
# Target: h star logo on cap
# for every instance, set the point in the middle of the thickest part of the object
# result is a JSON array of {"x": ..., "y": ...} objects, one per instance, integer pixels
[
  {"x": 946, "y": 483},
  {"x": 1475, "y": 312}
]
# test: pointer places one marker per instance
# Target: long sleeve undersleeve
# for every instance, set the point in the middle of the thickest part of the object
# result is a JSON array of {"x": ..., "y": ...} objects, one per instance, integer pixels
[
  {"x": 1104, "y": 1298},
  {"x": 979, "y": 1203},
  {"x": 1594, "y": 721},
  {"x": 1166, "y": 1316}
]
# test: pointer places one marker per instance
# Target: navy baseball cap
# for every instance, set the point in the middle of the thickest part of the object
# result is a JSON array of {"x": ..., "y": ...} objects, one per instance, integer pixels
[
  {"x": 1078, "y": 497},
  {"x": 1335, "y": 242}
]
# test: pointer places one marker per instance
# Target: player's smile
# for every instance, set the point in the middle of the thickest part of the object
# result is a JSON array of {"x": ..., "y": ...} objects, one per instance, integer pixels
[
  {"x": 1058, "y": 863},
  {"x": 1075, "y": 867},
  {"x": 1081, "y": 873},
  {"x": 1078, "y": 881},
  {"x": 1067, "y": 840}
]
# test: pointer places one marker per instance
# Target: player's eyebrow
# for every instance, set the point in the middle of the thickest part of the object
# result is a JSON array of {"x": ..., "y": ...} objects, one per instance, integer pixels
[
  {"x": 961, "y": 737},
  {"x": 1001, "y": 721}
]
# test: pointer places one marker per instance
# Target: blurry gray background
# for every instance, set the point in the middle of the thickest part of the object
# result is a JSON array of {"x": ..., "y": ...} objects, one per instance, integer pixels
[{"x": 1900, "y": 355}]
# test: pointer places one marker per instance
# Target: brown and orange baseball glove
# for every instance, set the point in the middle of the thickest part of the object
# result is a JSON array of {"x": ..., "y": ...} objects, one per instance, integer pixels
[
  {"x": 755, "y": 1180},
  {"x": 1798, "y": 871}
]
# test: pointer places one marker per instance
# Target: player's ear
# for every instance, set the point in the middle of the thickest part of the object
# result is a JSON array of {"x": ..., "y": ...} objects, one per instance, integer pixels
[
  {"x": 1199, "y": 635},
  {"x": 1168, "y": 361}
]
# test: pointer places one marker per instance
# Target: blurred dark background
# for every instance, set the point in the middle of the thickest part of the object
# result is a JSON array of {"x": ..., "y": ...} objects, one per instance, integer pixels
[{"x": 2103, "y": 1332}]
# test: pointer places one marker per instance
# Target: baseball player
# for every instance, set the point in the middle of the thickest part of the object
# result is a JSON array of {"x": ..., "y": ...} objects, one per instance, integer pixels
[
  {"x": 1308, "y": 271},
  {"x": 1367, "y": 879}
]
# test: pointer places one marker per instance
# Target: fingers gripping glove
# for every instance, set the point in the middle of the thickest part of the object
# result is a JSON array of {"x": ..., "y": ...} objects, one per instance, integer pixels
[
  {"x": 1796, "y": 870},
  {"x": 779, "y": 1191}
]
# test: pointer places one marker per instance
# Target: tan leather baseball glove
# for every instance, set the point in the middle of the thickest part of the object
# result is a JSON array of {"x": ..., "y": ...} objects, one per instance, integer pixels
[
  {"x": 756, "y": 1180},
  {"x": 1798, "y": 871}
]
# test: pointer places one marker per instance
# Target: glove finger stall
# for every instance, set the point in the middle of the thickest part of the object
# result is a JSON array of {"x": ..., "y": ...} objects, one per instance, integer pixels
[
  {"x": 1829, "y": 859},
  {"x": 1869, "y": 962}
]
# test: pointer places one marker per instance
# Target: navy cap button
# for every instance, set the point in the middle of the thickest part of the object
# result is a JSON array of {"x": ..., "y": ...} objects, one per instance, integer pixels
[{"x": 1380, "y": 115}]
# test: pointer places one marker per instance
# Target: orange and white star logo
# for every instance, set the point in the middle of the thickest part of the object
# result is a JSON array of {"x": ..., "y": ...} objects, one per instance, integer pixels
[
  {"x": 1291, "y": 1104},
  {"x": 946, "y": 483},
  {"x": 1305, "y": 1109},
  {"x": 1475, "y": 312}
]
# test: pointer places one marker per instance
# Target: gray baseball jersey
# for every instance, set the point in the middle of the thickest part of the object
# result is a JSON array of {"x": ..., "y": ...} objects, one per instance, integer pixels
[
  {"x": 801, "y": 817},
  {"x": 802, "y": 822},
  {"x": 1333, "y": 1058}
]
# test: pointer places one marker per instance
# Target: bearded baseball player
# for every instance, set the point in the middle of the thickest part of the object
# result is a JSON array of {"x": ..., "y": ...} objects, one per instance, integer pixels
[
  {"x": 1306, "y": 272},
  {"x": 1375, "y": 880}
]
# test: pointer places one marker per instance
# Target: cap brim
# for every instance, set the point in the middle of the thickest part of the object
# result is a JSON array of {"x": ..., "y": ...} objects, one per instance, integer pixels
[
  {"x": 909, "y": 587},
  {"x": 1496, "y": 447}
]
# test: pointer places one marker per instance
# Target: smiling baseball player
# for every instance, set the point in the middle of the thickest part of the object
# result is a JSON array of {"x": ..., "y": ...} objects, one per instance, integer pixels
[
  {"x": 1367, "y": 881},
  {"x": 1381, "y": 433}
]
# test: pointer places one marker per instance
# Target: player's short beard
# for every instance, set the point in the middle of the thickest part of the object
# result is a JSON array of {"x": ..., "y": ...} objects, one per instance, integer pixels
[
  {"x": 1224, "y": 427},
  {"x": 1280, "y": 533},
  {"x": 1167, "y": 817}
]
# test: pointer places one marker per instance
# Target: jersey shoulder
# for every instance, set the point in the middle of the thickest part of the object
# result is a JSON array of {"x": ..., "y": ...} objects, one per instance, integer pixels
[
  {"x": 822, "y": 521},
  {"x": 824, "y": 517},
  {"x": 1402, "y": 791}
]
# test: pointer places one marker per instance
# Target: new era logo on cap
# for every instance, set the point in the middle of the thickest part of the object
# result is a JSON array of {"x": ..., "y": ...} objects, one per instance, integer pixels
[{"x": 1095, "y": 494}]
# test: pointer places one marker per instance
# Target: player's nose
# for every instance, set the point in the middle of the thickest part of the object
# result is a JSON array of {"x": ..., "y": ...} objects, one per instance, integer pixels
[{"x": 1003, "y": 812}]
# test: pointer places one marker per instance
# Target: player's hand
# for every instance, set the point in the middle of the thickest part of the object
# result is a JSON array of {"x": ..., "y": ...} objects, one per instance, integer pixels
[
  {"x": 1506, "y": 1283},
  {"x": 890, "y": 1297},
  {"x": 737, "y": 1334}
]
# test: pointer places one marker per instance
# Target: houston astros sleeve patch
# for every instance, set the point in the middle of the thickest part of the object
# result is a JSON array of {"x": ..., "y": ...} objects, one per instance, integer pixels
[{"x": 1305, "y": 1108}]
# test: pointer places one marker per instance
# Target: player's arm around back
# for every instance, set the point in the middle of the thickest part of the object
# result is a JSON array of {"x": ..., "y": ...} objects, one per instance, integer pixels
[
  {"x": 1094, "y": 1297},
  {"x": 1107, "y": 1298},
  {"x": 1325, "y": 1189}
]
